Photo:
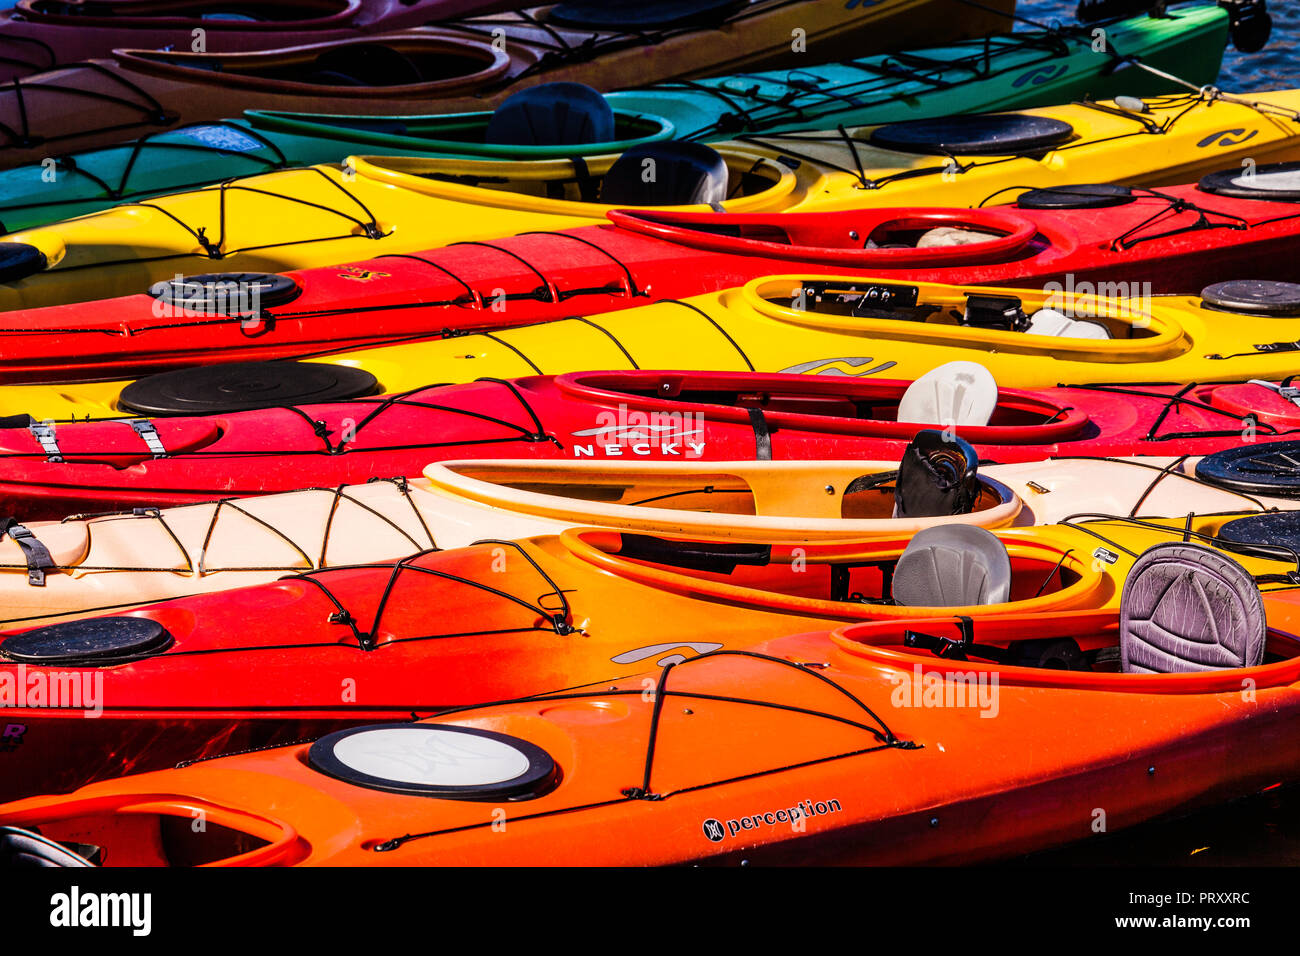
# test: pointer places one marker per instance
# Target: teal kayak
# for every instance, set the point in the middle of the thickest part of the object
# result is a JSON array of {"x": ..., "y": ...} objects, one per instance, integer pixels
[{"x": 1012, "y": 71}]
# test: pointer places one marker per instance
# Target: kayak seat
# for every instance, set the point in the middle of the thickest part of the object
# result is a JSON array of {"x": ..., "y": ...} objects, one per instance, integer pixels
[
  {"x": 672, "y": 173},
  {"x": 956, "y": 393},
  {"x": 553, "y": 114},
  {"x": 1187, "y": 608},
  {"x": 23, "y": 849},
  {"x": 936, "y": 477},
  {"x": 945, "y": 236},
  {"x": 1051, "y": 322},
  {"x": 953, "y": 565}
]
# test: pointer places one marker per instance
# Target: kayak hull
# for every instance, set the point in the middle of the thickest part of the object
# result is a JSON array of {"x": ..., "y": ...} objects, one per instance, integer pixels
[{"x": 794, "y": 769}]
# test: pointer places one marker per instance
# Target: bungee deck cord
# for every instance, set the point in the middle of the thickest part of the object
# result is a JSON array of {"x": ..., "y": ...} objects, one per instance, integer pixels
[
  {"x": 532, "y": 431},
  {"x": 1087, "y": 521},
  {"x": 561, "y": 51},
  {"x": 197, "y": 564},
  {"x": 872, "y": 725},
  {"x": 805, "y": 101},
  {"x": 152, "y": 112},
  {"x": 68, "y": 164}
]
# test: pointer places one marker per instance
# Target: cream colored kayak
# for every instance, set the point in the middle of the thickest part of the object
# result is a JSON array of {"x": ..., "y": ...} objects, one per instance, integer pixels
[{"x": 121, "y": 560}]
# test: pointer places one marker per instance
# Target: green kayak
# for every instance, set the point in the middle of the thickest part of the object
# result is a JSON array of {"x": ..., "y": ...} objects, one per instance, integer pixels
[{"x": 1011, "y": 71}]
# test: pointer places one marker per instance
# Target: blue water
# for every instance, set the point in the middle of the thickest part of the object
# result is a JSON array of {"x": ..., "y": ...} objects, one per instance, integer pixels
[{"x": 1275, "y": 67}]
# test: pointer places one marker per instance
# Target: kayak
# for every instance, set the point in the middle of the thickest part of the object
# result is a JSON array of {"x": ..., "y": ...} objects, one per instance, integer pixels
[
  {"x": 37, "y": 36},
  {"x": 795, "y": 323},
  {"x": 106, "y": 562},
  {"x": 1011, "y": 71},
  {"x": 866, "y": 745},
  {"x": 547, "y": 612},
  {"x": 321, "y": 215},
  {"x": 1166, "y": 240},
  {"x": 459, "y": 66},
  {"x": 608, "y": 417}
]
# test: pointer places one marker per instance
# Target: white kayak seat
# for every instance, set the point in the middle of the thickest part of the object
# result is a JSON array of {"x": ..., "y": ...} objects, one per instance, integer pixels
[
  {"x": 1186, "y": 608},
  {"x": 1051, "y": 322},
  {"x": 955, "y": 393},
  {"x": 953, "y": 565},
  {"x": 942, "y": 236}
]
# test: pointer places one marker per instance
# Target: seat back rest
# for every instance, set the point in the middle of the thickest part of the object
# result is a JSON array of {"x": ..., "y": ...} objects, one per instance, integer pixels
[
  {"x": 1187, "y": 608},
  {"x": 937, "y": 477},
  {"x": 956, "y": 393},
  {"x": 671, "y": 173},
  {"x": 22, "y": 849},
  {"x": 953, "y": 565},
  {"x": 1051, "y": 322},
  {"x": 552, "y": 114}
]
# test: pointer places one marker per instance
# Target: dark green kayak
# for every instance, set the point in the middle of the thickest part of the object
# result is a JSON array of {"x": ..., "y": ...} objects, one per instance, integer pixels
[{"x": 1005, "y": 72}]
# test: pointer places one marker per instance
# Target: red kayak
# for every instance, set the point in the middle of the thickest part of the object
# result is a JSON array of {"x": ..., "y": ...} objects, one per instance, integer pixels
[
  {"x": 629, "y": 415},
  {"x": 1176, "y": 239},
  {"x": 37, "y": 35}
]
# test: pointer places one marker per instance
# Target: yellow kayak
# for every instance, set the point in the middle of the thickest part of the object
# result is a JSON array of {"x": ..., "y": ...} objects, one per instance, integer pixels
[
  {"x": 328, "y": 214},
  {"x": 817, "y": 325}
]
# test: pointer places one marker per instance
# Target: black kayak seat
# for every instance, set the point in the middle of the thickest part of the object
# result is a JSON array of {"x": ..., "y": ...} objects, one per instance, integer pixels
[
  {"x": 553, "y": 114},
  {"x": 672, "y": 173},
  {"x": 18, "y": 260},
  {"x": 937, "y": 477}
]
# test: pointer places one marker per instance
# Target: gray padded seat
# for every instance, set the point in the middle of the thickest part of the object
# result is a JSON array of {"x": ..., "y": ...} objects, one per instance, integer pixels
[
  {"x": 953, "y": 565},
  {"x": 1186, "y": 608}
]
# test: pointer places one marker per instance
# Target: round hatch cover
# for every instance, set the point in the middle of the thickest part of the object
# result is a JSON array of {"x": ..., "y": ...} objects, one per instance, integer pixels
[
  {"x": 434, "y": 760},
  {"x": 96, "y": 640}
]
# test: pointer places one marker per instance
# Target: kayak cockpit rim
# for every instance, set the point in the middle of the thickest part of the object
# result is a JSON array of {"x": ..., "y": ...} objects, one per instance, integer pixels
[
  {"x": 879, "y": 645},
  {"x": 840, "y": 405}
]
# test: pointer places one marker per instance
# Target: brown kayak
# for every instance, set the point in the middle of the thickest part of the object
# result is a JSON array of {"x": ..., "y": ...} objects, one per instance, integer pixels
[
  {"x": 38, "y": 35},
  {"x": 465, "y": 66}
]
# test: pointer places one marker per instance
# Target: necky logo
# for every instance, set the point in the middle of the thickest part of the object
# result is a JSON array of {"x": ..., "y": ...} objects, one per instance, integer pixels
[
  {"x": 1224, "y": 138},
  {"x": 638, "y": 654},
  {"x": 640, "y": 433}
]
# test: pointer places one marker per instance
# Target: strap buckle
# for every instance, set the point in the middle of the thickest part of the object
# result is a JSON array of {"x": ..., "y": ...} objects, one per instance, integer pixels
[
  {"x": 44, "y": 433},
  {"x": 146, "y": 430},
  {"x": 37, "y": 555}
]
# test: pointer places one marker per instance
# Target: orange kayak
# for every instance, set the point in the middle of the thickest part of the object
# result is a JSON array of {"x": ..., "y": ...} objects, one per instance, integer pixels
[
  {"x": 895, "y": 742},
  {"x": 169, "y": 681}
]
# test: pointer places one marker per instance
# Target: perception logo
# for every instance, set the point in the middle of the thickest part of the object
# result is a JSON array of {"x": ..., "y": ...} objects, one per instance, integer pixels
[{"x": 715, "y": 831}]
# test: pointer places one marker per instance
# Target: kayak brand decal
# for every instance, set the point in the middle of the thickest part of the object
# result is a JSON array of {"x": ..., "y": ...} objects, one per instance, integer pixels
[
  {"x": 638, "y": 654},
  {"x": 1225, "y": 138},
  {"x": 221, "y": 137},
  {"x": 357, "y": 274},
  {"x": 1039, "y": 76},
  {"x": 836, "y": 366},
  {"x": 633, "y": 432},
  {"x": 715, "y": 830}
]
